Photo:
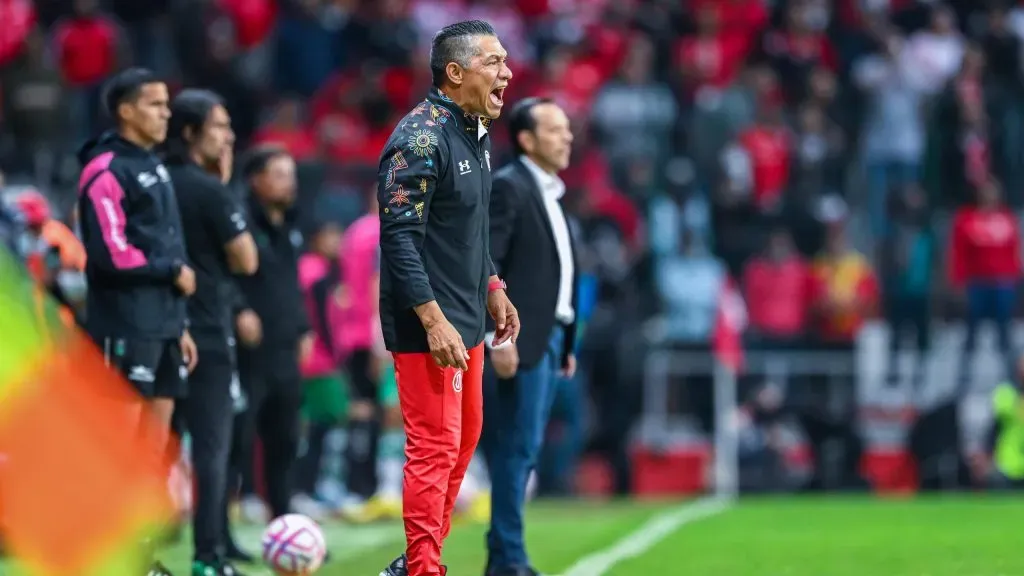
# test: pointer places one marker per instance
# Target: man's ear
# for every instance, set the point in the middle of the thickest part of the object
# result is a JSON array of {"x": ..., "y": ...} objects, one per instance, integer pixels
[
  {"x": 455, "y": 73},
  {"x": 188, "y": 134},
  {"x": 125, "y": 111},
  {"x": 524, "y": 137}
]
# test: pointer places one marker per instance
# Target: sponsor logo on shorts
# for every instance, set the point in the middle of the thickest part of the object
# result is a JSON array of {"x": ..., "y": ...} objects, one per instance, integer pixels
[
  {"x": 141, "y": 374},
  {"x": 457, "y": 381}
]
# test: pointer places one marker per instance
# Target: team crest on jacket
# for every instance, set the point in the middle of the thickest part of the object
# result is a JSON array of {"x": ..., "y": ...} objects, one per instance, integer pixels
[
  {"x": 423, "y": 142},
  {"x": 457, "y": 381}
]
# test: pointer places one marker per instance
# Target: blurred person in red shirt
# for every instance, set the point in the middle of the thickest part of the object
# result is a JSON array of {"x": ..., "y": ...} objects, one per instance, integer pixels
[
  {"x": 776, "y": 291},
  {"x": 985, "y": 262},
  {"x": 768, "y": 146},
  {"x": 19, "y": 18},
  {"x": 287, "y": 130},
  {"x": 86, "y": 47},
  {"x": 711, "y": 57}
]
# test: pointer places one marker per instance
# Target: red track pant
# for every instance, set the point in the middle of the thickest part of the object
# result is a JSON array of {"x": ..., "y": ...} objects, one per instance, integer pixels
[{"x": 443, "y": 413}]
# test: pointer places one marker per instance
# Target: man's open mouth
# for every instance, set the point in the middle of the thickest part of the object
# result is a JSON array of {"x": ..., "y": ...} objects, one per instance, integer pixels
[{"x": 498, "y": 96}]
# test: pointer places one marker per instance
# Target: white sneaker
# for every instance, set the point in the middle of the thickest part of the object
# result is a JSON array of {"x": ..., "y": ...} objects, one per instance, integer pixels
[
  {"x": 253, "y": 510},
  {"x": 304, "y": 504}
]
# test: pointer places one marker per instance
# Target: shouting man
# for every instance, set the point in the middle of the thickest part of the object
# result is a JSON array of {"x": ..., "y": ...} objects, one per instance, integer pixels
[{"x": 437, "y": 278}]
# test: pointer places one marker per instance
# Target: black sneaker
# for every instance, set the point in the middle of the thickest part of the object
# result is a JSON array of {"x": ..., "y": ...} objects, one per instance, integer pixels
[
  {"x": 158, "y": 569},
  {"x": 397, "y": 568}
]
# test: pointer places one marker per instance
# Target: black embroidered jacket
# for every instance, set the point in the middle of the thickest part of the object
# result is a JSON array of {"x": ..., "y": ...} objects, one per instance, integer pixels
[{"x": 434, "y": 188}]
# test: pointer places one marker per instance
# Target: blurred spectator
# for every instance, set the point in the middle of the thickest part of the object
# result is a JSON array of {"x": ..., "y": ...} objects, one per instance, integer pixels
[
  {"x": 985, "y": 262},
  {"x": 823, "y": 91},
  {"x": 768, "y": 147},
  {"x": 894, "y": 129},
  {"x": 934, "y": 54},
  {"x": 86, "y": 46},
  {"x": 287, "y": 130},
  {"x": 799, "y": 47},
  {"x": 740, "y": 22},
  {"x": 19, "y": 18},
  {"x": 57, "y": 258},
  {"x": 844, "y": 291},
  {"x": 775, "y": 289},
  {"x": 717, "y": 122},
  {"x": 690, "y": 313},
  {"x": 710, "y": 58},
  {"x": 143, "y": 23},
  {"x": 962, "y": 132},
  {"x": 908, "y": 262},
  {"x": 384, "y": 32},
  {"x": 1002, "y": 49},
  {"x": 35, "y": 109},
  {"x": 634, "y": 114},
  {"x": 310, "y": 44},
  {"x": 819, "y": 151}
]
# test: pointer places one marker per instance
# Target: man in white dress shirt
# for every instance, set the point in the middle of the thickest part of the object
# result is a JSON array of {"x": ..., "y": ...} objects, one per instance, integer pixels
[{"x": 532, "y": 249}]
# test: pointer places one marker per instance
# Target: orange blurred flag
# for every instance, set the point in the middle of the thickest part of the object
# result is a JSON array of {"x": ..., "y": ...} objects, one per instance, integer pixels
[{"x": 81, "y": 486}]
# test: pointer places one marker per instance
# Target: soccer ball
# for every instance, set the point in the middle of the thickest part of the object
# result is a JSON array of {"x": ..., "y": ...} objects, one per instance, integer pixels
[{"x": 293, "y": 545}]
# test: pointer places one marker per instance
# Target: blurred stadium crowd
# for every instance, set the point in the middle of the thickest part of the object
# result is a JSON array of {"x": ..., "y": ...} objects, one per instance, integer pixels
[{"x": 835, "y": 160}]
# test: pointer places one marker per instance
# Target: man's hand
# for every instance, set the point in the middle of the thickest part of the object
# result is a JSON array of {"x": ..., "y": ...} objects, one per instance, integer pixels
[
  {"x": 249, "y": 327},
  {"x": 506, "y": 317},
  {"x": 188, "y": 351},
  {"x": 569, "y": 367},
  {"x": 186, "y": 281},
  {"x": 446, "y": 345},
  {"x": 306, "y": 347},
  {"x": 505, "y": 361}
]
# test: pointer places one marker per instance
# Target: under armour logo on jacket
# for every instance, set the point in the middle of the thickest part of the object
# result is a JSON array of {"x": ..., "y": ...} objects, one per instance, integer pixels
[{"x": 464, "y": 167}]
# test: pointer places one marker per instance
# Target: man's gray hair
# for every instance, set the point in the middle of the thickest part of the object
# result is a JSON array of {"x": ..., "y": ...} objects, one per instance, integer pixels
[{"x": 454, "y": 43}]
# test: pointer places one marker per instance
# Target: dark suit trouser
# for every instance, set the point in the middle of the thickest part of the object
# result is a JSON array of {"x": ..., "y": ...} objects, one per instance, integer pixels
[
  {"x": 273, "y": 384},
  {"x": 515, "y": 418},
  {"x": 209, "y": 411}
]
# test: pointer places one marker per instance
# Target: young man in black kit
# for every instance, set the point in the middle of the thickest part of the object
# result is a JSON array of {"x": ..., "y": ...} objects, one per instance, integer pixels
[
  {"x": 199, "y": 156},
  {"x": 131, "y": 230}
]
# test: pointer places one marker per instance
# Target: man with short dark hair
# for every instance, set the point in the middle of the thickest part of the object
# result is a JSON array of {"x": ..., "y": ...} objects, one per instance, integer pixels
[
  {"x": 532, "y": 249},
  {"x": 131, "y": 229},
  {"x": 199, "y": 154},
  {"x": 437, "y": 282},
  {"x": 269, "y": 370}
]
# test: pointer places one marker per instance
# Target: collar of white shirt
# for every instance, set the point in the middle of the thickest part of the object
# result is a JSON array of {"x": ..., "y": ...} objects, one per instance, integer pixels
[{"x": 550, "y": 184}]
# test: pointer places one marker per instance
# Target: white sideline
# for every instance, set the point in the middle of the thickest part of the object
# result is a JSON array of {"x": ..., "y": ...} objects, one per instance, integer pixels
[{"x": 647, "y": 536}]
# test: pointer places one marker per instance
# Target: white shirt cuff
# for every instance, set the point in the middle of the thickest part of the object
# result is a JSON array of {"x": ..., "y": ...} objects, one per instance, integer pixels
[{"x": 489, "y": 342}]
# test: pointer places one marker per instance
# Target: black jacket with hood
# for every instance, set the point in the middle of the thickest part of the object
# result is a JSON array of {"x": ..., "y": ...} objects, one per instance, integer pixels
[{"x": 131, "y": 229}]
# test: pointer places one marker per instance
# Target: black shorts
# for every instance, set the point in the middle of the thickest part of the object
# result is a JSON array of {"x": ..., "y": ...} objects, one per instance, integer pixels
[
  {"x": 361, "y": 375},
  {"x": 156, "y": 368}
]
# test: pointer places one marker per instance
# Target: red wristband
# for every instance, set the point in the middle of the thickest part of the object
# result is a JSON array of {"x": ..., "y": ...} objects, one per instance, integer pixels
[{"x": 496, "y": 285}]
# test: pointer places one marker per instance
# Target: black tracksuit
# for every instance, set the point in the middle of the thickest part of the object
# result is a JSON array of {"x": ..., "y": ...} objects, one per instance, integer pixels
[
  {"x": 131, "y": 230},
  {"x": 270, "y": 372},
  {"x": 212, "y": 218}
]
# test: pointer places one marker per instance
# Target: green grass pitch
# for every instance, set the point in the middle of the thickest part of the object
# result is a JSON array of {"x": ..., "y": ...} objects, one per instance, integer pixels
[{"x": 787, "y": 536}]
